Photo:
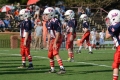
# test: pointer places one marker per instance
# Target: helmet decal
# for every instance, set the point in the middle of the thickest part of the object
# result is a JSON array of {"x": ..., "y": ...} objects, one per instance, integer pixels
[
  {"x": 114, "y": 15},
  {"x": 50, "y": 10}
]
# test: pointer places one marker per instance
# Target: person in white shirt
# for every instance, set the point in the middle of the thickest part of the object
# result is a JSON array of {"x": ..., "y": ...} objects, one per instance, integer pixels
[
  {"x": 102, "y": 37},
  {"x": 93, "y": 38}
]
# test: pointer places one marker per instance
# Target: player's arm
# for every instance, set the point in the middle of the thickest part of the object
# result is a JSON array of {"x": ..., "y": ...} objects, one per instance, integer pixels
[
  {"x": 26, "y": 37},
  {"x": 57, "y": 37},
  {"x": 27, "y": 29},
  {"x": 58, "y": 32},
  {"x": 72, "y": 30},
  {"x": 108, "y": 33},
  {"x": 48, "y": 36}
]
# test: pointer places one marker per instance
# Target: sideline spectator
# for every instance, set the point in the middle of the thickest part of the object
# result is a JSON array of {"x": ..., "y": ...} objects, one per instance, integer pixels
[
  {"x": 38, "y": 35},
  {"x": 32, "y": 22},
  {"x": 7, "y": 23},
  {"x": 16, "y": 13},
  {"x": 2, "y": 24},
  {"x": 37, "y": 11},
  {"x": 9, "y": 15},
  {"x": 80, "y": 11},
  {"x": 18, "y": 6},
  {"x": 102, "y": 37},
  {"x": 36, "y": 20},
  {"x": 93, "y": 38},
  {"x": 88, "y": 11}
]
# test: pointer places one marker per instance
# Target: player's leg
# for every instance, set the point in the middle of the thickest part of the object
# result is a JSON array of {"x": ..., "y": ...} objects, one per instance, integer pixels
[
  {"x": 69, "y": 47},
  {"x": 36, "y": 42},
  {"x": 52, "y": 63},
  {"x": 88, "y": 43},
  {"x": 27, "y": 52},
  {"x": 51, "y": 58},
  {"x": 116, "y": 64},
  {"x": 22, "y": 52},
  {"x": 82, "y": 41},
  {"x": 59, "y": 60}
]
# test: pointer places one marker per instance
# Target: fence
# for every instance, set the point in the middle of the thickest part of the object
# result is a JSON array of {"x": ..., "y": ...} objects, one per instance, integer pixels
[{"x": 4, "y": 43}]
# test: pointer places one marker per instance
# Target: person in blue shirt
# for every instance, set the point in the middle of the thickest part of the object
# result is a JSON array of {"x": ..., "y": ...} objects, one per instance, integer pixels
[{"x": 7, "y": 22}]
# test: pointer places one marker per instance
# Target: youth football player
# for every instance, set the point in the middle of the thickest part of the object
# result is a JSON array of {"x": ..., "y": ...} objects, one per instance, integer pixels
[
  {"x": 86, "y": 34},
  {"x": 71, "y": 33},
  {"x": 25, "y": 34},
  {"x": 113, "y": 30},
  {"x": 54, "y": 39}
]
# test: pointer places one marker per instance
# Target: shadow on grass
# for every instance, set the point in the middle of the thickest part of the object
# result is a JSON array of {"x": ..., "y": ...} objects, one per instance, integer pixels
[
  {"x": 86, "y": 65},
  {"x": 102, "y": 60},
  {"x": 72, "y": 72},
  {"x": 14, "y": 70}
]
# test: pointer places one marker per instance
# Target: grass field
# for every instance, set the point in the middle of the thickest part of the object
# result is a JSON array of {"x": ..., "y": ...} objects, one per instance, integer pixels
[{"x": 95, "y": 66}]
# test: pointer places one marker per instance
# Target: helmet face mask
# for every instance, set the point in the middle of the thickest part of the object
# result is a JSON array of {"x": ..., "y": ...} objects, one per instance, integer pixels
[
  {"x": 107, "y": 21},
  {"x": 67, "y": 17},
  {"x": 21, "y": 17}
]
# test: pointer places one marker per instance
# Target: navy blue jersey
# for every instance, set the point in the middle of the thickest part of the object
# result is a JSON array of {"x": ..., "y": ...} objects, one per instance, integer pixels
[
  {"x": 114, "y": 31},
  {"x": 53, "y": 26},
  {"x": 25, "y": 26},
  {"x": 71, "y": 26},
  {"x": 86, "y": 24}
]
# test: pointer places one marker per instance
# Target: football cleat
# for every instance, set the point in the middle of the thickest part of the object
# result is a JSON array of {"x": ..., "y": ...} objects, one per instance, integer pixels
[
  {"x": 51, "y": 71},
  {"x": 78, "y": 52},
  {"x": 70, "y": 60},
  {"x": 61, "y": 71},
  {"x": 90, "y": 52},
  {"x": 30, "y": 67},
  {"x": 22, "y": 67}
]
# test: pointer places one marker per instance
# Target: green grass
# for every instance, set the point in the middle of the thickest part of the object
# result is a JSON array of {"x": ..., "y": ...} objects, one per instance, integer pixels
[{"x": 95, "y": 66}]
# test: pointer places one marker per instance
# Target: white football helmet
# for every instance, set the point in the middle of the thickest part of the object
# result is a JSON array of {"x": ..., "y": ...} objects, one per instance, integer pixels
[
  {"x": 69, "y": 14},
  {"x": 83, "y": 17},
  {"x": 113, "y": 17},
  {"x": 24, "y": 14},
  {"x": 50, "y": 12}
]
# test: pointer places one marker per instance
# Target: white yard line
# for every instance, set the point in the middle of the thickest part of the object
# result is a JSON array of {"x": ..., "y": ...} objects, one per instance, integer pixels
[{"x": 94, "y": 64}]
